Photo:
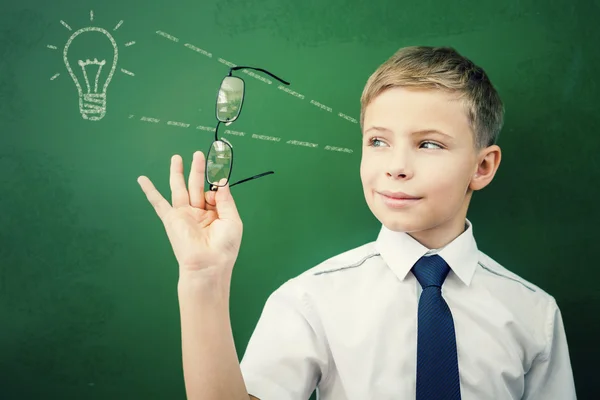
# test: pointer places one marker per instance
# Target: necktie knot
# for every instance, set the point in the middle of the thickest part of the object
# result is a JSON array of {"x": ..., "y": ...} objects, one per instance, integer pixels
[{"x": 431, "y": 271}]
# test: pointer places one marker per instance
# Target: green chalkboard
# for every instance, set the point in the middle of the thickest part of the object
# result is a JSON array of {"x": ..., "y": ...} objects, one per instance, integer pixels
[{"x": 88, "y": 301}]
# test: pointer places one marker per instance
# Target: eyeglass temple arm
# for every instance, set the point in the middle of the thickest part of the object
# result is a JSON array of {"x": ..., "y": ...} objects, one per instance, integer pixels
[
  {"x": 253, "y": 177},
  {"x": 257, "y": 69}
]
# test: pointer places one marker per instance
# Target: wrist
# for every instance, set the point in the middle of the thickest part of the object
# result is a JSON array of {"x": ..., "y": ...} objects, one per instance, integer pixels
[{"x": 209, "y": 278}]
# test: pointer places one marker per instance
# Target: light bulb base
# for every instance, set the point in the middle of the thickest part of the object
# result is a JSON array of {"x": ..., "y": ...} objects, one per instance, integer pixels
[{"x": 92, "y": 106}]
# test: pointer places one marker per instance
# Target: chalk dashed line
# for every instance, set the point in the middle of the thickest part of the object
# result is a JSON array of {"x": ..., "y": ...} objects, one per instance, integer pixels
[
  {"x": 340, "y": 149},
  {"x": 51, "y": 47},
  {"x": 54, "y": 76},
  {"x": 265, "y": 137},
  {"x": 253, "y": 136},
  {"x": 289, "y": 91},
  {"x": 118, "y": 25},
  {"x": 177, "y": 123},
  {"x": 300, "y": 143},
  {"x": 170, "y": 37},
  {"x": 259, "y": 77},
  {"x": 348, "y": 118},
  {"x": 322, "y": 106},
  {"x": 239, "y": 133},
  {"x": 127, "y": 72},
  {"x": 199, "y": 50},
  {"x": 130, "y": 43},
  {"x": 236, "y": 133},
  {"x": 229, "y": 64},
  {"x": 65, "y": 25}
]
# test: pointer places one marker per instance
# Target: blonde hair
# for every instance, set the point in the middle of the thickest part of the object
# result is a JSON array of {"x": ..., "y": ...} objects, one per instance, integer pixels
[{"x": 442, "y": 68}]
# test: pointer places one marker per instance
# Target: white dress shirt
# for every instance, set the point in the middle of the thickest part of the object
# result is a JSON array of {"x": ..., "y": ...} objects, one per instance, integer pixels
[{"x": 348, "y": 327}]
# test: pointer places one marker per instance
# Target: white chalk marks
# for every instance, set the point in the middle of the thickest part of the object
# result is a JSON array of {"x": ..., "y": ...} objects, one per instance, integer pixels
[
  {"x": 123, "y": 70},
  {"x": 348, "y": 118},
  {"x": 254, "y": 136},
  {"x": 199, "y": 50},
  {"x": 92, "y": 99},
  {"x": 149, "y": 119},
  {"x": 65, "y": 25},
  {"x": 257, "y": 76},
  {"x": 228, "y": 63},
  {"x": 118, "y": 25},
  {"x": 301, "y": 143},
  {"x": 170, "y": 37},
  {"x": 322, "y": 106},
  {"x": 235, "y": 133},
  {"x": 260, "y": 78},
  {"x": 179, "y": 124},
  {"x": 129, "y": 43},
  {"x": 293, "y": 93},
  {"x": 93, "y": 73},
  {"x": 265, "y": 137},
  {"x": 340, "y": 149}
]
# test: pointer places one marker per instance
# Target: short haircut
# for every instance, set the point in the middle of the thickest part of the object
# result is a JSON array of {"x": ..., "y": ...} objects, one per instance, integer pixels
[{"x": 442, "y": 68}]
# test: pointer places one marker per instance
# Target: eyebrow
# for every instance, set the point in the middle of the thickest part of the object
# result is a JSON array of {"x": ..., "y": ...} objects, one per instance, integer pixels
[{"x": 419, "y": 132}]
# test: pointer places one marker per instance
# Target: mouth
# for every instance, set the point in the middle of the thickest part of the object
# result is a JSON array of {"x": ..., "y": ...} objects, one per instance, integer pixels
[{"x": 398, "y": 200}]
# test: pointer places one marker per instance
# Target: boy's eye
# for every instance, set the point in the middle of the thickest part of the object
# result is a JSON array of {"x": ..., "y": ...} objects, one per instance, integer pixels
[
  {"x": 433, "y": 143},
  {"x": 375, "y": 142}
]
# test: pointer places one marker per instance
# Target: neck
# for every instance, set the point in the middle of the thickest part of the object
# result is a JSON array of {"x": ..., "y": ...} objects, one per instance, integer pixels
[{"x": 439, "y": 236}]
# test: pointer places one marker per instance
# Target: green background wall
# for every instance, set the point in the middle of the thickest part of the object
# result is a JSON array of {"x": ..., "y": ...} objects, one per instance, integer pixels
[{"x": 88, "y": 301}]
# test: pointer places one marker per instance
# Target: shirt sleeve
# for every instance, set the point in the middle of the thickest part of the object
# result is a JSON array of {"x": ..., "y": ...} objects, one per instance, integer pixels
[
  {"x": 286, "y": 353},
  {"x": 550, "y": 376}
]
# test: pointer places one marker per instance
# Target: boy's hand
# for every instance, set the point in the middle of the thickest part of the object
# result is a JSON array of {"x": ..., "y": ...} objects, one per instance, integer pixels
[{"x": 205, "y": 229}]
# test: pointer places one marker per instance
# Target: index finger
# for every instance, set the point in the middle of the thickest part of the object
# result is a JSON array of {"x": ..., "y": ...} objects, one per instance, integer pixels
[{"x": 160, "y": 204}]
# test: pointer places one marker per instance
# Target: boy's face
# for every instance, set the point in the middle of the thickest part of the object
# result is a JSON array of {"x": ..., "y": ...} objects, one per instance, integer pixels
[{"x": 418, "y": 142}]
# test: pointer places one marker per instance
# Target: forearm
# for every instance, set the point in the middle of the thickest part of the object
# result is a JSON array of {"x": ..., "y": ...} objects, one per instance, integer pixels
[{"x": 210, "y": 364}]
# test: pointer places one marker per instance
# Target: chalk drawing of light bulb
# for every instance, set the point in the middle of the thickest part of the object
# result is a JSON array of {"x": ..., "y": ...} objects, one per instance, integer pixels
[{"x": 90, "y": 56}]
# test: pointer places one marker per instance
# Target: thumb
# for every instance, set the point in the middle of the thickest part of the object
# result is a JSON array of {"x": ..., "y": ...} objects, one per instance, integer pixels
[{"x": 226, "y": 207}]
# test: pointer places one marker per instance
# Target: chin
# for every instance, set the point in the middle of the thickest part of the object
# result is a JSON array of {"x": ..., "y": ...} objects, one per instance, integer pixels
[
  {"x": 399, "y": 220},
  {"x": 399, "y": 223}
]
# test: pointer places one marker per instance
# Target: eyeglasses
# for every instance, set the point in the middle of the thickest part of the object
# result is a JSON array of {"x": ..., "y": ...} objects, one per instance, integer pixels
[{"x": 219, "y": 161}]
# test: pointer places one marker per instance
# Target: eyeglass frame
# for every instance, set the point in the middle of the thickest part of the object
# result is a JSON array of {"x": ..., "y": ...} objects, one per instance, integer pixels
[{"x": 214, "y": 187}]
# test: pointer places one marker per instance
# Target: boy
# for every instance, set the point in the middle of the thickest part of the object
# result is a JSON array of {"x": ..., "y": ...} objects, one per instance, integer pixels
[{"x": 418, "y": 313}]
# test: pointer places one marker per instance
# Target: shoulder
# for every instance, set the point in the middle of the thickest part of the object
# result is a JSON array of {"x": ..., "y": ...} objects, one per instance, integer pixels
[
  {"x": 357, "y": 259},
  {"x": 528, "y": 306},
  {"x": 489, "y": 266},
  {"x": 339, "y": 268},
  {"x": 510, "y": 286}
]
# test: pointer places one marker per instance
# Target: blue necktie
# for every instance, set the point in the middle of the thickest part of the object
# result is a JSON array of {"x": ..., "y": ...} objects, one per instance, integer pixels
[{"x": 437, "y": 362}]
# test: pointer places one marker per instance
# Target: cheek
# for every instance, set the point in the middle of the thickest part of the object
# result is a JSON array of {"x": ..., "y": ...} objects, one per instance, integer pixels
[
  {"x": 447, "y": 183},
  {"x": 364, "y": 170}
]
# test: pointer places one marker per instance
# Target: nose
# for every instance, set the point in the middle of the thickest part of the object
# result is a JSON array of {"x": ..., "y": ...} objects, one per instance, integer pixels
[{"x": 399, "y": 165}]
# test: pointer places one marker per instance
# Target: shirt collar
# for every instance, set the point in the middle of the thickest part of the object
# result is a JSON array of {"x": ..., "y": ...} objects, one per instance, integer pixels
[{"x": 400, "y": 251}]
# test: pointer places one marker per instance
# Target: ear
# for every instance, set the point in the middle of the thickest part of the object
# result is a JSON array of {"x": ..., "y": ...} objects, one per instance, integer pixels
[{"x": 487, "y": 165}]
